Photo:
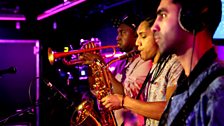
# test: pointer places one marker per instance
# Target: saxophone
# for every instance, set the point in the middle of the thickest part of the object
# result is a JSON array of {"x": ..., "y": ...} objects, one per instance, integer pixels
[{"x": 101, "y": 88}]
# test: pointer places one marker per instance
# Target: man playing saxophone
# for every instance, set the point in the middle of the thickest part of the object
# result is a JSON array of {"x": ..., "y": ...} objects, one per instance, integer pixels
[{"x": 131, "y": 72}]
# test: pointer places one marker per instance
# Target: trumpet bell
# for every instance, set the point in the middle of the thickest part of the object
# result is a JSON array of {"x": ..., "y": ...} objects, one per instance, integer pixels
[{"x": 50, "y": 56}]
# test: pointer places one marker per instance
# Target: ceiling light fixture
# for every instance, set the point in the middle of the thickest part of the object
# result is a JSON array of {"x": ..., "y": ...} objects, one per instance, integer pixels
[{"x": 59, "y": 8}]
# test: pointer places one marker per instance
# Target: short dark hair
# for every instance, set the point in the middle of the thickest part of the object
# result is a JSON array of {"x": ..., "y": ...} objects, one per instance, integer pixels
[{"x": 211, "y": 18}]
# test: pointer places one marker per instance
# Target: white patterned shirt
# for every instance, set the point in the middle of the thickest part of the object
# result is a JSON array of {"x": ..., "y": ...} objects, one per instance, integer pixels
[{"x": 156, "y": 91}]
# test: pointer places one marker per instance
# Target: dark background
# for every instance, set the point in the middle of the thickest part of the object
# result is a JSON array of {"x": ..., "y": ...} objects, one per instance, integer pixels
[{"x": 90, "y": 19}]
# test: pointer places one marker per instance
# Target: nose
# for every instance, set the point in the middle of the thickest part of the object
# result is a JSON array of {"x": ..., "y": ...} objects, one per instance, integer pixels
[
  {"x": 155, "y": 27},
  {"x": 118, "y": 37},
  {"x": 138, "y": 42}
]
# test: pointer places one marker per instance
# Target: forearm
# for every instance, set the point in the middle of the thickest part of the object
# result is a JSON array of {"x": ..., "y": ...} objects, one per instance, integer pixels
[
  {"x": 117, "y": 86},
  {"x": 151, "y": 110}
]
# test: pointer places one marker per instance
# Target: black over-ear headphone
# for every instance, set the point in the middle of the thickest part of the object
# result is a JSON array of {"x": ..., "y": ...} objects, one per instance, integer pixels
[{"x": 192, "y": 16}]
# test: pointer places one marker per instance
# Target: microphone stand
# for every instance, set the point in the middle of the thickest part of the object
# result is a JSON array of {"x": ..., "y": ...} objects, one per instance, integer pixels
[{"x": 64, "y": 96}]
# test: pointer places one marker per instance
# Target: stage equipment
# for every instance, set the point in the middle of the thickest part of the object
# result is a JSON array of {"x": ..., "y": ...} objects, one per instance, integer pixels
[{"x": 23, "y": 56}]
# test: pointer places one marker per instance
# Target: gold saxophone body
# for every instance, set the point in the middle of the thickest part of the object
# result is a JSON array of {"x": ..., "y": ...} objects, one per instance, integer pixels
[{"x": 102, "y": 87}]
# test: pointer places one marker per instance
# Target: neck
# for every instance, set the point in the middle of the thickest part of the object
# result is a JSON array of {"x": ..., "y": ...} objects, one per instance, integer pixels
[
  {"x": 195, "y": 51},
  {"x": 156, "y": 58}
]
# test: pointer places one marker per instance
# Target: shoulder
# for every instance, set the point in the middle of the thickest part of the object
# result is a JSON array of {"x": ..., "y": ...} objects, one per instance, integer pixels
[
  {"x": 217, "y": 71},
  {"x": 216, "y": 66},
  {"x": 173, "y": 64},
  {"x": 119, "y": 66},
  {"x": 216, "y": 86},
  {"x": 138, "y": 62},
  {"x": 213, "y": 98},
  {"x": 174, "y": 60},
  {"x": 120, "y": 63}
]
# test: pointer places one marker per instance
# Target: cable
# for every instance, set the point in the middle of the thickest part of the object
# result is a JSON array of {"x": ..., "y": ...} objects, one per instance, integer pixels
[
  {"x": 29, "y": 91},
  {"x": 191, "y": 62}
]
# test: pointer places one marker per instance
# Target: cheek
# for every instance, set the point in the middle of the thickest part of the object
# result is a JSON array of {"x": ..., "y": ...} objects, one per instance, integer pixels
[
  {"x": 170, "y": 37},
  {"x": 145, "y": 44},
  {"x": 171, "y": 32},
  {"x": 148, "y": 45},
  {"x": 124, "y": 40}
]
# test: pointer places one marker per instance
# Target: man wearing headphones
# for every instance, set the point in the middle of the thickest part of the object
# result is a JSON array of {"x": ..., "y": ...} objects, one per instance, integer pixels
[{"x": 186, "y": 27}]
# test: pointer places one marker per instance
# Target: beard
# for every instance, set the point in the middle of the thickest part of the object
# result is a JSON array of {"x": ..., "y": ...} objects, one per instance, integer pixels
[
  {"x": 122, "y": 50},
  {"x": 126, "y": 49}
]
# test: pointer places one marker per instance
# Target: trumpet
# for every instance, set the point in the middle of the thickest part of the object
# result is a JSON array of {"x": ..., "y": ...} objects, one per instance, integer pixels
[{"x": 55, "y": 55}]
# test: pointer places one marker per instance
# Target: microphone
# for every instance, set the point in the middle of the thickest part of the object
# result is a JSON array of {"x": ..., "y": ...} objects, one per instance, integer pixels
[
  {"x": 49, "y": 84},
  {"x": 64, "y": 96},
  {"x": 10, "y": 70}
]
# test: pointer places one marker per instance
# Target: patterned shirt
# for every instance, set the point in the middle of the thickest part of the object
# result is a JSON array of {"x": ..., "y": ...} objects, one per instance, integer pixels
[
  {"x": 156, "y": 90},
  {"x": 131, "y": 74}
]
